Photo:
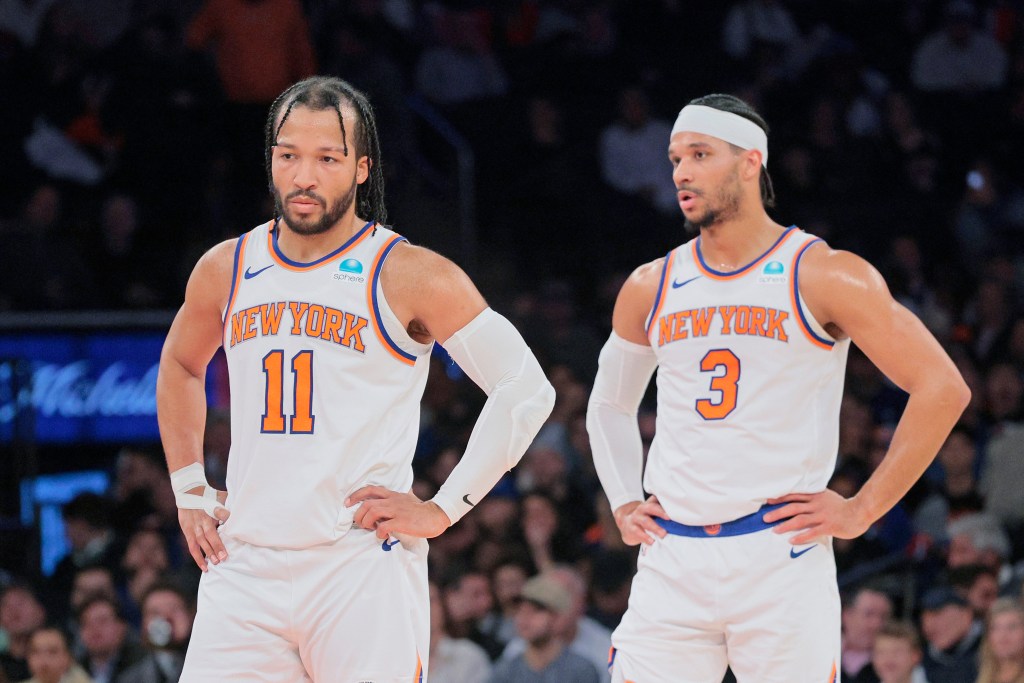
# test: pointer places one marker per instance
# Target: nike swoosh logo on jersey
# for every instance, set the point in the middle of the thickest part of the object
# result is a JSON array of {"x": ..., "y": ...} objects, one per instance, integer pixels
[
  {"x": 385, "y": 546},
  {"x": 794, "y": 554},
  {"x": 677, "y": 285},
  {"x": 250, "y": 275},
  {"x": 465, "y": 499}
]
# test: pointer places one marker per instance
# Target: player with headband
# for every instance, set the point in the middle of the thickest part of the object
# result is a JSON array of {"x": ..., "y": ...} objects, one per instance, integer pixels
[{"x": 748, "y": 324}]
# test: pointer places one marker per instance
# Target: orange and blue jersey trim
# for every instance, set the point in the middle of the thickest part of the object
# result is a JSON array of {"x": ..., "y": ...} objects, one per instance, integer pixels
[
  {"x": 705, "y": 269},
  {"x": 287, "y": 263},
  {"x": 236, "y": 279},
  {"x": 611, "y": 657},
  {"x": 832, "y": 677},
  {"x": 794, "y": 296},
  {"x": 371, "y": 296},
  {"x": 418, "y": 676},
  {"x": 659, "y": 298}
]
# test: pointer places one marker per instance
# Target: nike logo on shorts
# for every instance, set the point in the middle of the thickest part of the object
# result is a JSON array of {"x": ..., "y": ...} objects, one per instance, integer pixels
[
  {"x": 794, "y": 554},
  {"x": 250, "y": 275},
  {"x": 677, "y": 285},
  {"x": 386, "y": 547}
]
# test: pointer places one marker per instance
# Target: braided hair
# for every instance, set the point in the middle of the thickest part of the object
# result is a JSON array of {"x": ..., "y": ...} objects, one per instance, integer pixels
[
  {"x": 734, "y": 105},
  {"x": 325, "y": 92}
]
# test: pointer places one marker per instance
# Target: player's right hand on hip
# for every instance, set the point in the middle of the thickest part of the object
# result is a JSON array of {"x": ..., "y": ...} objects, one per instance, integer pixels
[
  {"x": 200, "y": 530},
  {"x": 636, "y": 521}
]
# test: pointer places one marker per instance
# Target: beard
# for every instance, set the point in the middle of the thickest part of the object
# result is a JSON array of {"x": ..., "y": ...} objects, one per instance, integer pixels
[
  {"x": 309, "y": 226},
  {"x": 726, "y": 206}
]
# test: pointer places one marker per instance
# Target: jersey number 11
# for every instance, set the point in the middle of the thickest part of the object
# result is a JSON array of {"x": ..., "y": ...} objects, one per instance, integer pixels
[{"x": 302, "y": 418}]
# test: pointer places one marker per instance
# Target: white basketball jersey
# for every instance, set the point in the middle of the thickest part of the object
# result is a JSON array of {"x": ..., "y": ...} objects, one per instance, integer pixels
[
  {"x": 325, "y": 388},
  {"x": 749, "y": 386}
]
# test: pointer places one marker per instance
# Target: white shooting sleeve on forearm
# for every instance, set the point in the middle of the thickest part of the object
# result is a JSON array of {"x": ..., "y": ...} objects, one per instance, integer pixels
[
  {"x": 624, "y": 371},
  {"x": 490, "y": 350}
]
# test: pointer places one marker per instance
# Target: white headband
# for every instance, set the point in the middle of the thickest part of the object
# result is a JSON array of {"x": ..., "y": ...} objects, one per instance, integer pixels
[{"x": 734, "y": 129}]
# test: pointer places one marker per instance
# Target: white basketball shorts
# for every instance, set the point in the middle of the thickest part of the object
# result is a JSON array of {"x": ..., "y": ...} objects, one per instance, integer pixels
[
  {"x": 754, "y": 602},
  {"x": 351, "y": 611}
]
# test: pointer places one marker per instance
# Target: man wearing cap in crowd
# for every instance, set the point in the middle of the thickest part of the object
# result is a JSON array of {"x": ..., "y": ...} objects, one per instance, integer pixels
[
  {"x": 547, "y": 658},
  {"x": 952, "y": 635},
  {"x": 749, "y": 325}
]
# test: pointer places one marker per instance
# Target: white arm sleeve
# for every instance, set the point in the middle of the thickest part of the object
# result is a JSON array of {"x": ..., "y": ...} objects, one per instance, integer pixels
[
  {"x": 519, "y": 399},
  {"x": 624, "y": 371}
]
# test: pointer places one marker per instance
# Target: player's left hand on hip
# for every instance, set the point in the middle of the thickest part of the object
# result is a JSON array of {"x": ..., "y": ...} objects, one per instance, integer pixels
[
  {"x": 815, "y": 515},
  {"x": 388, "y": 512}
]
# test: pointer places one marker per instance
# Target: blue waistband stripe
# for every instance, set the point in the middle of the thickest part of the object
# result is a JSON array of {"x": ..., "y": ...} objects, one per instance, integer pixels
[{"x": 737, "y": 527}]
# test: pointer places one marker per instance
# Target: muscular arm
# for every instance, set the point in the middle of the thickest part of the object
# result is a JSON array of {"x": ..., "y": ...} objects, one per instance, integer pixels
[
  {"x": 436, "y": 300},
  {"x": 852, "y": 297},
  {"x": 625, "y": 368},
  {"x": 191, "y": 342}
]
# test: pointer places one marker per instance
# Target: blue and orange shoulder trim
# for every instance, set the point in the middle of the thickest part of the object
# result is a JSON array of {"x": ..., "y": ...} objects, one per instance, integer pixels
[
  {"x": 659, "y": 298},
  {"x": 297, "y": 266},
  {"x": 705, "y": 269},
  {"x": 371, "y": 298},
  {"x": 236, "y": 277},
  {"x": 794, "y": 297}
]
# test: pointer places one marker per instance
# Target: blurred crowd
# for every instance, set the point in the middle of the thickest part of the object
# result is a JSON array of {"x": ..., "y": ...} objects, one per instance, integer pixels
[{"x": 134, "y": 141}]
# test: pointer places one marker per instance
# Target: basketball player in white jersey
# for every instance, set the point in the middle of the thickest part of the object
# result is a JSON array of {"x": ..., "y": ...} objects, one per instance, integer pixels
[
  {"x": 314, "y": 557},
  {"x": 749, "y": 326}
]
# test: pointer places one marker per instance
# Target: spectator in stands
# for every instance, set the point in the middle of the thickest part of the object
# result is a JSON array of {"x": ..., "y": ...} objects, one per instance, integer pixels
[
  {"x": 952, "y": 636},
  {"x": 896, "y": 657},
  {"x": 467, "y": 601},
  {"x": 144, "y": 563},
  {"x": 49, "y": 658},
  {"x": 48, "y": 272},
  {"x": 87, "y": 525},
  {"x": 863, "y": 616},
  {"x": 612, "y": 575},
  {"x": 584, "y": 636},
  {"x": 549, "y": 539},
  {"x": 545, "y": 655},
  {"x": 88, "y": 582},
  {"x": 24, "y": 20},
  {"x": 21, "y": 613},
  {"x": 460, "y": 66},
  {"x": 261, "y": 47},
  {"x": 167, "y": 616},
  {"x": 959, "y": 57},
  {"x": 978, "y": 539},
  {"x": 633, "y": 152},
  {"x": 128, "y": 273},
  {"x": 453, "y": 660},
  {"x": 957, "y": 493},
  {"x": 507, "y": 579},
  {"x": 991, "y": 317},
  {"x": 755, "y": 24},
  {"x": 109, "y": 647},
  {"x": 1002, "y": 649},
  {"x": 1002, "y": 478},
  {"x": 978, "y": 585}
]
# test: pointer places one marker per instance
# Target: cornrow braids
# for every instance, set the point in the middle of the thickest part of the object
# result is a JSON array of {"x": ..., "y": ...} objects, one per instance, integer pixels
[
  {"x": 734, "y": 105},
  {"x": 325, "y": 92}
]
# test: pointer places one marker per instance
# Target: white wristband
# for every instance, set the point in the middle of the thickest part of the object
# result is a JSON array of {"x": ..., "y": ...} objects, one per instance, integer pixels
[{"x": 190, "y": 477}]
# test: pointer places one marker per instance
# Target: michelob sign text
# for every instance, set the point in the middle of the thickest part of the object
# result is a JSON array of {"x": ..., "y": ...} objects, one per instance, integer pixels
[{"x": 79, "y": 387}]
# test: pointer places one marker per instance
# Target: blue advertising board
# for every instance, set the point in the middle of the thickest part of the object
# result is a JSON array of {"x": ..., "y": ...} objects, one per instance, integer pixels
[{"x": 80, "y": 386}]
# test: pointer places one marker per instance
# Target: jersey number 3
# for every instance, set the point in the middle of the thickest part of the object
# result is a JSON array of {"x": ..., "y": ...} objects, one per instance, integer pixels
[
  {"x": 302, "y": 409},
  {"x": 727, "y": 384}
]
